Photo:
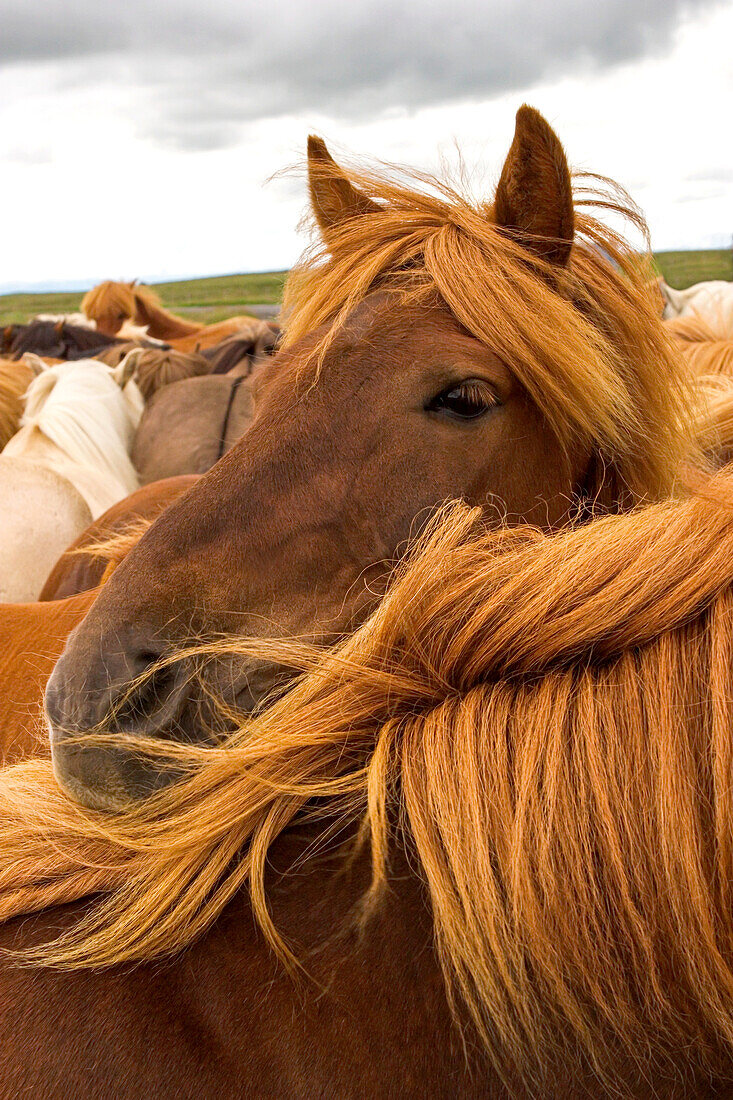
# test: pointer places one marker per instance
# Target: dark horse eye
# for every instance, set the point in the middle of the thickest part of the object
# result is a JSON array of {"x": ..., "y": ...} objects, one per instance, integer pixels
[{"x": 467, "y": 401}]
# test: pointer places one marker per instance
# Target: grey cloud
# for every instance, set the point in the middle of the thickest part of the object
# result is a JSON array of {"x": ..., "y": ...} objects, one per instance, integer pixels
[{"x": 209, "y": 68}]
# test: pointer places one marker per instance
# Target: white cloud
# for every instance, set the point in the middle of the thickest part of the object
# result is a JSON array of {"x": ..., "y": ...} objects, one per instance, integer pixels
[{"x": 89, "y": 191}]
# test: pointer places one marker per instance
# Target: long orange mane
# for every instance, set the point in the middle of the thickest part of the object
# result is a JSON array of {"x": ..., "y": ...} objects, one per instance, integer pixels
[{"x": 550, "y": 718}]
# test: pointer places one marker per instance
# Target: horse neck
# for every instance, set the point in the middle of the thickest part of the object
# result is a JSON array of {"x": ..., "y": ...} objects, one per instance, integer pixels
[{"x": 159, "y": 322}]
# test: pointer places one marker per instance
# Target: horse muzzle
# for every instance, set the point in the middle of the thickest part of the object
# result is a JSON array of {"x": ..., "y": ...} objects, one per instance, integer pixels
[{"x": 109, "y": 707}]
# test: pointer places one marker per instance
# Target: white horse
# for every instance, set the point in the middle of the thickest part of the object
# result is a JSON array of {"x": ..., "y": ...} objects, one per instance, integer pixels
[
  {"x": 712, "y": 301},
  {"x": 42, "y": 515},
  {"x": 69, "y": 462},
  {"x": 80, "y": 420}
]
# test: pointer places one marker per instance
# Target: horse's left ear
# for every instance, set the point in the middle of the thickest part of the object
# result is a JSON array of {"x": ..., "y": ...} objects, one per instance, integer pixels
[
  {"x": 534, "y": 198},
  {"x": 333, "y": 198}
]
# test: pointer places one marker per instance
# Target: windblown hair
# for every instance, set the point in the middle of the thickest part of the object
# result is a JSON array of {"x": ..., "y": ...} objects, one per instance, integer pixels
[
  {"x": 544, "y": 720},
  {"x": 109, "y": 298},
  {"x": 14, "y": 381},
  {"x": 585, "y": 342},
  {"x": 715, "y": 423},
  {"x": 110, "y": 302},
  {"x": 702, "y": 345}
]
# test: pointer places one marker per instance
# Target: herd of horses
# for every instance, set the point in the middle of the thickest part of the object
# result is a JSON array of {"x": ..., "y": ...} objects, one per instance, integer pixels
[{"x": 366, "y": 690}]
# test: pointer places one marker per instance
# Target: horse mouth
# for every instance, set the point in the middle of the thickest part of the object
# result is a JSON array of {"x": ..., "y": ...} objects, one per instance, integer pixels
[{"x": 115, "y": 765}]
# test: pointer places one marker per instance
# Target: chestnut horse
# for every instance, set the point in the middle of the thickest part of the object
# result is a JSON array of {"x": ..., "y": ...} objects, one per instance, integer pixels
[
  {"x": 435, "y": 349},
  {"x": 32, "y": 637},
  {"x": 110, "y": 304}
]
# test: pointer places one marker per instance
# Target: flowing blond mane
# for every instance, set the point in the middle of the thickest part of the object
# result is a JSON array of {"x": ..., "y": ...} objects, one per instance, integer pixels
[
  {"x": 549, "y": 718},
  {"x": 586, "y": 342}
]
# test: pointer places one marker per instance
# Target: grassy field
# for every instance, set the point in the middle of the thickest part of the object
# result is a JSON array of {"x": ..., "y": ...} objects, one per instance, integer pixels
[
  {"x": 682, "y": 269},
  {"x": 222, "y": 296},
  {"x": 206, "y": 300}
]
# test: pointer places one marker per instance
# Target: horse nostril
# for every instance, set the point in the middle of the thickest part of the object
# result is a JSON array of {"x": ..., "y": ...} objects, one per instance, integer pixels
[{"x": 152, "y": 700}]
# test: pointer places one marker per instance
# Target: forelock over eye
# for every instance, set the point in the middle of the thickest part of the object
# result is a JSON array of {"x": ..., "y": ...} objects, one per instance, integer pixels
[{"x": 467, "y": 401}]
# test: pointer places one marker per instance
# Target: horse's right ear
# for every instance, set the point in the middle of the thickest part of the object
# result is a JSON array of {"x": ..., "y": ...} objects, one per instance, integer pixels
[
  {"x": 133, "y": 284},
  {"x": 534, "y": 196},
  {"x": 333, "y": 198}
]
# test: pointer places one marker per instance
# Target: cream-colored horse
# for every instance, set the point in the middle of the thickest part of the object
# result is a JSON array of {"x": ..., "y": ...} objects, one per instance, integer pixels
[
  {"x": 711, "y": 301},
  {"x": 69, "y": 462},
  {"x": 80, "y": 419}
]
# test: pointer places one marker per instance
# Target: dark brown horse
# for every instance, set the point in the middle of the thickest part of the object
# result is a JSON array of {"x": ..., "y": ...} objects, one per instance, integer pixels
[
  {"x": 436, "y": 350},
  {"x": 56, "y": 340}
]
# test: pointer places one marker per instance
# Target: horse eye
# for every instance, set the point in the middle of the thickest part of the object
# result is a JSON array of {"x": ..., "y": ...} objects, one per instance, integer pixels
[{"x": 468, "y": 401}]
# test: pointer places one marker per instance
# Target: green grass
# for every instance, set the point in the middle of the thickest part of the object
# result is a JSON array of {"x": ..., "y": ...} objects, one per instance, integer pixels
[
  {"x": 222, "y": 296},
  {"x": 206, "y": 300},
  {"x": 682, "y": 269}
]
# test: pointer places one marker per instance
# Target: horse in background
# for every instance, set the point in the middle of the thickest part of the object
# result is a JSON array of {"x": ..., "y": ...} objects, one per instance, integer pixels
[
  {"x": 32, "y": 636},
  {"x": 15, "y": 378},
  {"x": 187, "y": 426},
  {"x": 711, "y": 301},
  {"x": 110, "y": 304},
  {"x": 704, "y": 345},
  {"x": 77, "y": 319},
  {"x": 68, "y": 463},
  {"x": 88, "y": 561},
  {"x": 56, "y": 340},
  {"x": 80, "y": 419}
]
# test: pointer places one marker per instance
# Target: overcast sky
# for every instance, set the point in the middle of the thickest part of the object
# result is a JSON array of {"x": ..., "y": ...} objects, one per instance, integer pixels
[{"x": 138, "y": 139}]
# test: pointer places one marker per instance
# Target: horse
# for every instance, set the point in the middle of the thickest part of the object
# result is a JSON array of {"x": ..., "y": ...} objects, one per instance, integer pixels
[
  {"x": 79, "y": 420},
  {"x": 110, "y": 304},
  {"x": 55, "y": 340},
  {"x": 711, "y": 301},
  {"x": 15, "y": 379},
  {"x": 187, "y": 426},
  {"x": 157, "y": 367},
  {"x": 42, "y": 513},
  {"x": 491, "y": 824},
  {"x": 85, "y": 562},
  {"x": 32, "y": 637},
  {"x": 242, "y": 353},
  {"x": 519, "y": 779},
  {"x": 78, "y": 319}
]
